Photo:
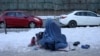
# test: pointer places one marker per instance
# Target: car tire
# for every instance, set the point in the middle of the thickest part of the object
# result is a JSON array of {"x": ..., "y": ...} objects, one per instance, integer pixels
[
  {"x": 31, "y": 25},
  {"x": 72, "y": 24},
  {"x": 2, "y": 25}
]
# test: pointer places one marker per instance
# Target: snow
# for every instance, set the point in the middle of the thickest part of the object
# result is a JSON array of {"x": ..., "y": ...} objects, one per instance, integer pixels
[
  {"x": 88, "y": 35},
  {"x": 46, "y": 17},
  {"x": 20, "y": 40}
]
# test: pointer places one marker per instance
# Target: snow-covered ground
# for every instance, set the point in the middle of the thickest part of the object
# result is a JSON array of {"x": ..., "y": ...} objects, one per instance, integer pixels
[
  {"x": 13, "y": 42},
  {"x": 46, "y": 17}
]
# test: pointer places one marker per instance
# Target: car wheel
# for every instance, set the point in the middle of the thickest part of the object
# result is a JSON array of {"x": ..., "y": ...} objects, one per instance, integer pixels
[
  {"x": 2, "y": 25},
  {"x": 31, "y": 25},
  {"x": 72, "y": 24}
]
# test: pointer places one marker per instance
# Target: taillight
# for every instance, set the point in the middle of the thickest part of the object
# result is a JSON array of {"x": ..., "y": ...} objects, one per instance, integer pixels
[{"x": 63, "y": 17}]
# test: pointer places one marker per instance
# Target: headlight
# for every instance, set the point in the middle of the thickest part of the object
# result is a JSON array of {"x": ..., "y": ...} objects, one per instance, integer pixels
[{"x": 36, "y": 19}]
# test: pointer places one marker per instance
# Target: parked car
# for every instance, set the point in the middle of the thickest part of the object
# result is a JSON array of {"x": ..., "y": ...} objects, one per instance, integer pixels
[
  {"x": 19, "y": 19},
  {"x": 80, "y": 18}
]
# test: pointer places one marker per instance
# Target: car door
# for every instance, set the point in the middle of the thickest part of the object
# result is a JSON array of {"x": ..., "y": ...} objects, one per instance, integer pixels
[
  {"x": 22, "y": 20},
  {"x": 93, "y": 19},
  {"x": 10, "y": 19},
  {"x": 81, "y": 18}
]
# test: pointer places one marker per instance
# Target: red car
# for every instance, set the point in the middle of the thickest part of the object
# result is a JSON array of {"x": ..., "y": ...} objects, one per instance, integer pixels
[{"x": 19, "y": 19}]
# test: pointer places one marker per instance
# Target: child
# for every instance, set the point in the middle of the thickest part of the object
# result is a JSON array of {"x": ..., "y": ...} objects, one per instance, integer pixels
[{"x": 33, "y": 42}]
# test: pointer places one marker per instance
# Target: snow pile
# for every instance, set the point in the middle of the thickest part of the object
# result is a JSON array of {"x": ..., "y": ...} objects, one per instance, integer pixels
[
  {"x": 20, "y": 40},
  {"x": 46, "y": 17}
]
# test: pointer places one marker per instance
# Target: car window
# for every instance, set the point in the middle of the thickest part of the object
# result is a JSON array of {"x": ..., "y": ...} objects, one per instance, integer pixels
[
  {"x": 79, "y": 14},
  {"x": 84, "y": 13},
  {"x": 20, "y": 14},
  {"x": 91, "y": 14},
  {"x": 10, "y": 14}
]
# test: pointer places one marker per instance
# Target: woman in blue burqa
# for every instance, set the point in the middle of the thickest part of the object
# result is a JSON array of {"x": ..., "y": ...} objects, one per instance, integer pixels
[{"x": 52, "y": 38}]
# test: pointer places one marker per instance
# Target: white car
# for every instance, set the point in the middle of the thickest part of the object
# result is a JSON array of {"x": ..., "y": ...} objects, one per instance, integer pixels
[{"x": 80, "y": 18}]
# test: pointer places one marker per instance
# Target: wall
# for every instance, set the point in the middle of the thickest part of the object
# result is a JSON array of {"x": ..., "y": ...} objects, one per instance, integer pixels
[{"x": 46, "y": 7}]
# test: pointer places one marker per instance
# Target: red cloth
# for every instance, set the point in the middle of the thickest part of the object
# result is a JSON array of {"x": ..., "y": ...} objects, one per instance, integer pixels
[{"x": 32, "y": 42}]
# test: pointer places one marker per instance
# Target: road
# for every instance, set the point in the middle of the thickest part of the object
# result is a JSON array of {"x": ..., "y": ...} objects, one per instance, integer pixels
[{"x": 81, "y": 52}]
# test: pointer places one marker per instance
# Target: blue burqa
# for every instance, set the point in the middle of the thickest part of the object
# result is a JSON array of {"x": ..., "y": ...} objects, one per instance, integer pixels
[{"x": 52, "y": 35}]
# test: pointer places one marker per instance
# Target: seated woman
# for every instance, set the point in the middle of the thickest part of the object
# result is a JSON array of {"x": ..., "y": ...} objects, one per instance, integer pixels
[{"x": 52, "y": 38}]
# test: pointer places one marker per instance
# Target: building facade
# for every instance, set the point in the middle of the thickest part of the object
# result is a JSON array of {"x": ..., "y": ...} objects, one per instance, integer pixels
[{"x": 48, "y": 7}]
